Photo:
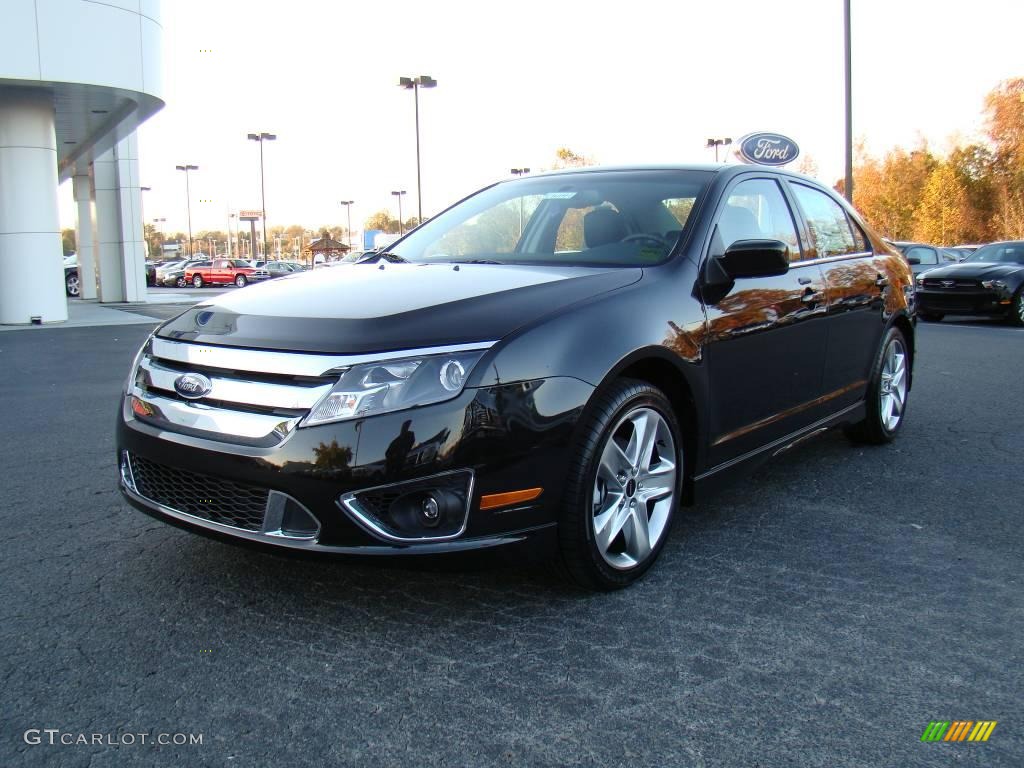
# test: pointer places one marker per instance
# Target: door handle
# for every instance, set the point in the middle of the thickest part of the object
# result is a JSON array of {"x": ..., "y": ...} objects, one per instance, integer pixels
[
  {"x": 810, "y": 296},
  {"x": 804, "y": 280}
]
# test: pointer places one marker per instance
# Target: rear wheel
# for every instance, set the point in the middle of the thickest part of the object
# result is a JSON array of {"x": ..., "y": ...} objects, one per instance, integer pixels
[
  {"x": 886, "y": 403},
  {"x": 181, "y": 282},
  {"x": 623, "y": 488},
  {"x": 240, "y": 281},
  {"x": 197, "y": 281},
  {"x": 72, "y": 284}
]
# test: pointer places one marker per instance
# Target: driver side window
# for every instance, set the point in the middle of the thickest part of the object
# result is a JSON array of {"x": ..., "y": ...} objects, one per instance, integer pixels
[{"x": 756, "y": 210}]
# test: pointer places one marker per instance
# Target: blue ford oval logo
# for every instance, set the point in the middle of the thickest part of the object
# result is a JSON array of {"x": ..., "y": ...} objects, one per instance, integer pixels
[
  {"x": 192, "y": 386},
  {"x": 767, "y": 149}
]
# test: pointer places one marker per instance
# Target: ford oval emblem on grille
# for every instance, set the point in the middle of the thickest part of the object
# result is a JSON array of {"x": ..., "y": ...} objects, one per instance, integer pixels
[
  {"x": 192, "y": 386},
  {"x": 948, "y": 283}
]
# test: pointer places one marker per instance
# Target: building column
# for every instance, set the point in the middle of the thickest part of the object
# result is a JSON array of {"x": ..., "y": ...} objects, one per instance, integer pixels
[
  {"x": 85, "y": 235},
  {"x": 133, "y": 236},
  {"x": 108, "y": 227},
  {"x": 121, "y": 250},
  {"x": 31, "y": 264}
]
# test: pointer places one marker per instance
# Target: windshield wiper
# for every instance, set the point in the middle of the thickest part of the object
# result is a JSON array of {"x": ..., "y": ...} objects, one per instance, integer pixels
[
  {"x": 393, "y": 258},
  {"x": 477, "y": 261}
]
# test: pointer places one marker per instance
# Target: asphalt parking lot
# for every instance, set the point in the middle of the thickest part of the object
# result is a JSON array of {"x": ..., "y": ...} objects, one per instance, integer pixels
[{"x": 821, "y": 614}]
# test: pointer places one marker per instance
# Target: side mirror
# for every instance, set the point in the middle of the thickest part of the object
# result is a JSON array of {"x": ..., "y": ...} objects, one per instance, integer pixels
[
  {"x": 913, "y": 260},
  {"x": 755, "y": 258}
]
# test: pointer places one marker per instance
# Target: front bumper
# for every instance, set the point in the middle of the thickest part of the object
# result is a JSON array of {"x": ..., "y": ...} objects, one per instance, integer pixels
[
  {"x": 509, "y": 437},
  {"x": 960, "y": 301}
]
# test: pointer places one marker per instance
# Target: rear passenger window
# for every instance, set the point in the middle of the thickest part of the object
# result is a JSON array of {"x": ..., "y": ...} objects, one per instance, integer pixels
[
  {"x": 831, "y": 232},
  {"x": 756, "y": 210}
]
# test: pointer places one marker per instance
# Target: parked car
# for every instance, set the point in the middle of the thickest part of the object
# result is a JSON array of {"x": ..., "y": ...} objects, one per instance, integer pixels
[
  {"x": 72, "y": 286},
  {"x": 173, "y": 273},
  {"x": 988, "y": 282},
  {"x": 922, "y": 257},
  {"x": 280, "y": 268},
  {"x": 223, "y": 272},
  {"x": 648, "y": 334}
]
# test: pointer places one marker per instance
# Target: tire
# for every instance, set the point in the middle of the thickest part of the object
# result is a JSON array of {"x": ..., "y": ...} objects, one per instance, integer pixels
[
  {"x": 72, "y": 285},
  {"x": 886, "y": 403},
  {"x": 931, "y": 317},
  {"x": 197, "y": 281},
  {"x": 1017, "y": 313},
  {"x": 181, "y": 282},
  {"x": 610, "y": 528},
  {"x": 240, "y": 281}
]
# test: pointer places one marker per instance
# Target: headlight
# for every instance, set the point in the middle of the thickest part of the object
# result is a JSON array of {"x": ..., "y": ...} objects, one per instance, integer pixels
[
  {"x": 392, "y": 385},
  {"x": 993, "y": 284},
  {"x": 920, "y": 282},
  {"x": 133, "y": 371}
]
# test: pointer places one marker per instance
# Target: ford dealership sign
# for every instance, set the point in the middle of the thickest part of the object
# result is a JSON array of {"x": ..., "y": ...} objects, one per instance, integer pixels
[{"x": 767, "y": 149}]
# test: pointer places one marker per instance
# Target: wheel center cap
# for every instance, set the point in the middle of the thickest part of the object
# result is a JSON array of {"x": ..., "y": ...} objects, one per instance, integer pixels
[{"x": 631, "y": 488}]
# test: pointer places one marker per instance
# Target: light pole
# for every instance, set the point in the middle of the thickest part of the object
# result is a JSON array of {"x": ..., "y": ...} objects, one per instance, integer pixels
[
  {"x": 401, "y": 225},
  {"x": 520, "y": 172},
  {"x": 848, "y": 187},
  {"x": 716, "y": 143},
  {"x": 188, "y": 202},
  {"x": 348, "y": 212},
  {"x": 414, "y": 84},
  {"x": 262, "y": 137}
]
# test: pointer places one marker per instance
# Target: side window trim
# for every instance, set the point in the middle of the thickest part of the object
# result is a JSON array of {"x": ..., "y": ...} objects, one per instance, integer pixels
[
  {"x": 724, "y": 201},
  {"x": 805, "y": 230}
]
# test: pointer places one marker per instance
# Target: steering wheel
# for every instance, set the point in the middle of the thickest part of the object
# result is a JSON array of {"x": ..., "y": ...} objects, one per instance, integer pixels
[{"x": 641, "y": 236}]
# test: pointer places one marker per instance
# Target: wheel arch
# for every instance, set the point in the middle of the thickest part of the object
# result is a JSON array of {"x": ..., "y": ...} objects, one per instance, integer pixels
[
  {"x": 902, "y": 321},
  {"x": 656, "y": 366}
]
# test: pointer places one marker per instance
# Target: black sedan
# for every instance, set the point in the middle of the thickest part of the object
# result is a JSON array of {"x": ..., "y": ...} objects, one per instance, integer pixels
[
  {"x": 556, "y": 363},
  {"x": 988, "y": 282}
]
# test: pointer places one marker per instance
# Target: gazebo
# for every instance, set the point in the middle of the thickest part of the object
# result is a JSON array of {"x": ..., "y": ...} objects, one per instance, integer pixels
[{"x": 327, "y": 247}]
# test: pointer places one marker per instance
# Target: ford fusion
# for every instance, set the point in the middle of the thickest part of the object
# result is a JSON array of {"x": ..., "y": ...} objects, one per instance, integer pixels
[
  {"x": 988, "y": 282},
  {"x": 554, "y": 366}
]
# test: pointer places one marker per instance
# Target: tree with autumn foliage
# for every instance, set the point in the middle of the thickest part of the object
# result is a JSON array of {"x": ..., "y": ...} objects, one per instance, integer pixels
[{"x": 974, "y": 195}]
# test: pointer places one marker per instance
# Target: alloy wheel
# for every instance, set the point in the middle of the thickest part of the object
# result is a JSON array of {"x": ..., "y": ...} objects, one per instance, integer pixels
[
  {"x": 1020, "y": 307},
  {"x": 74, "y": 288},
  {"x": 634, "y": 489},
  {"x": 893, "y": 390}
]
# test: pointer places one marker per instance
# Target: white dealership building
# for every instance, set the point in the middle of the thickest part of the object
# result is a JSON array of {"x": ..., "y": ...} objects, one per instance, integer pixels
[{"x": 77, "y": 77}]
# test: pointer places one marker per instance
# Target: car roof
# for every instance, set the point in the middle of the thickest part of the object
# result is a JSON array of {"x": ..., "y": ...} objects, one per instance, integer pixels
[{"x": 722, "y": 169}]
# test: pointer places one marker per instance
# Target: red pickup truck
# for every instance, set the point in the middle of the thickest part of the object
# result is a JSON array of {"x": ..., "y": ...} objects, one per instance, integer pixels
[{"x": 223, "y": 272}]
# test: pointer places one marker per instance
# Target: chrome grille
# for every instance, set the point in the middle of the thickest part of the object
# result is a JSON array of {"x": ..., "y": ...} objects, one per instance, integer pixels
[
  {"x": 936, "y": 282},
  {"x": 209, "y": 498},
  {"x": 256, "y": 397}
]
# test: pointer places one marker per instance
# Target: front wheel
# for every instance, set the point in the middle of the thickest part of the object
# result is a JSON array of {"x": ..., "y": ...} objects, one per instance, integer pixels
[
  {"x": 72, "y": 285},
  {"x": 886, "y": 403},
  {"x": 240, "y": 281},
  {"x": 181, "y": 282},
  {"x": 623, "y": 487},
  {"x": 1017, "y": 315},
  {"x": 197, "y": 281}
]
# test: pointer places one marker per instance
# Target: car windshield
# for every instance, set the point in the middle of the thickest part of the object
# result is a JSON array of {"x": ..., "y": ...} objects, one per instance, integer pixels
[
  {"x": 999, "y": 253},
  {"x": 606, "y": 218}
]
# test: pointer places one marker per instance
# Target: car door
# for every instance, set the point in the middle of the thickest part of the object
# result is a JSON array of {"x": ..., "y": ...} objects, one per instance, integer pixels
[
  {"x": 766, "y": 335},
  {"x": 221, "y": 272},
  {"x": 856, "y": 281}
]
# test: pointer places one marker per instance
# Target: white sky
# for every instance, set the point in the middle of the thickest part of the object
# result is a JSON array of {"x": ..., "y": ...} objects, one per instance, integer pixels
[{"x": 643, "y": 81}]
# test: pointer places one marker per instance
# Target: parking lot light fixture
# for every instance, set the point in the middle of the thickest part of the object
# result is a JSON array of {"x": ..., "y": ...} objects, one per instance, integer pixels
[
  {"x": 348, "y": 211},
  {"x": 716, "y": 143},
  {"x": 188, "y": 201},
  {"x": 414, "y": 84},
  {"x": 401, "y": 224},
  {"x": 260, "y": 138}
]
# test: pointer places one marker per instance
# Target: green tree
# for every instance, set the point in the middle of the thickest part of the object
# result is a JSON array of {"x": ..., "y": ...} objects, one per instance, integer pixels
[
  {"x": 67, "y": 241},
  {"x": 383, "y": 221}
]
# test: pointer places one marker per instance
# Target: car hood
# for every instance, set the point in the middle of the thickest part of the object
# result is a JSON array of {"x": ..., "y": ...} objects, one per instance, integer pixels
[
  {"x": 974, "y": 270},
  {"x": 360, "y": 308}
]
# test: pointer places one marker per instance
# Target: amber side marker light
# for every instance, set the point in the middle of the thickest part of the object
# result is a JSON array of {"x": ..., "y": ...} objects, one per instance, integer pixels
[{"x": 495, "y": 500}]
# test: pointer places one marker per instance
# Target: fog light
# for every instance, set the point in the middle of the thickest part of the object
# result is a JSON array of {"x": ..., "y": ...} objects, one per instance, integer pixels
[{"x": 430, "y": 511}]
